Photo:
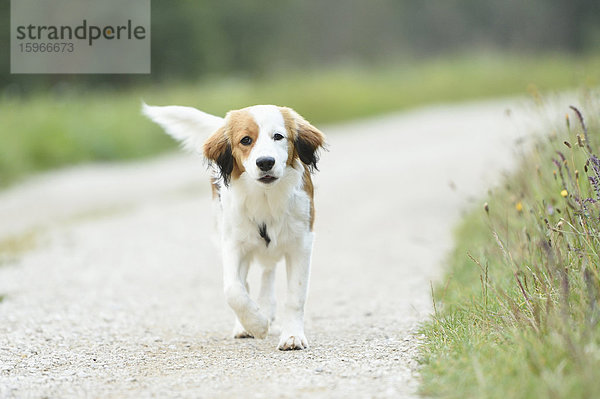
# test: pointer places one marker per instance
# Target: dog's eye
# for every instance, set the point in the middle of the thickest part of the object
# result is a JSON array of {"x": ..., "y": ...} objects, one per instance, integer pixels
[
  {"x": 277, "y": 137},
  {"x": 246, "y": 140}
]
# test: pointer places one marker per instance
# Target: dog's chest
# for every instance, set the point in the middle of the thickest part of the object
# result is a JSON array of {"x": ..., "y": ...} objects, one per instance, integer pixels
[{"x": 267, "y": 223}]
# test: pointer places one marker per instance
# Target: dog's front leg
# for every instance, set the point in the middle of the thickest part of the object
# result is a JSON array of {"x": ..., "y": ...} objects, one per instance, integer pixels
[
  {"x": 247, "y": 311},
  {"x": 238, "y": 329},
  {"x": 266, "y": 297},
  {"x": 298, "y": 272}
]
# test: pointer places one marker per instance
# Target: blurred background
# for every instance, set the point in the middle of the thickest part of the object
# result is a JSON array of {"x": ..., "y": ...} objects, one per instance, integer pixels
[{"x": 331, "y": 60}]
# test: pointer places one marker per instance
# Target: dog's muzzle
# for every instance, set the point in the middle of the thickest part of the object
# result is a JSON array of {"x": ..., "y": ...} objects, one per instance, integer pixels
[{"x": 265, "y": 163}]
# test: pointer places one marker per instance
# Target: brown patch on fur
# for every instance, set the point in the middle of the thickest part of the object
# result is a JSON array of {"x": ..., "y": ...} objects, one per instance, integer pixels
[
  {"x": 305, "y": 139},
  {"x": 239, "y": 125},
  {"x": 290, "y": 125},
  {"x": 216, "y": 144},
  {"x": 310, "y": 190},
  {"x": 300, "y": 129}
]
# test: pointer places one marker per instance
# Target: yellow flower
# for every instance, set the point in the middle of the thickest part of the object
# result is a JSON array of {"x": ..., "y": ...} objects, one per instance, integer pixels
[
  {"x": 519, "y": 206},
  {"x": 564, "y": 193}
]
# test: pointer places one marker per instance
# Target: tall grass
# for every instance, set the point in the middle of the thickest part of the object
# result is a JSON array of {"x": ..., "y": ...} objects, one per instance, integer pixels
[
  {"x": 73, "y": 124},
  {"x": 518, "y": 315}
]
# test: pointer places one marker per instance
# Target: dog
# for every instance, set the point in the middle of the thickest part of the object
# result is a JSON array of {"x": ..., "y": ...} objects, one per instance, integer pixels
[{"x": 261, "y": 158}]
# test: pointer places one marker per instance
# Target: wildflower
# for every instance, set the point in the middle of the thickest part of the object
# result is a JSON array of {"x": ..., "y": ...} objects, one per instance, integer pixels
[
  {"x": 568, "y": 122},
  {"x": 583, "y": 126},
  {"x": 564, "y": 193},
  {"x": 567, "y": 143},
  {"x": 486, "y": 208},
  {"x": 594, "y": 180},
  {"x": 576, "y": 174},
  {"x": 519, "y": 206}
]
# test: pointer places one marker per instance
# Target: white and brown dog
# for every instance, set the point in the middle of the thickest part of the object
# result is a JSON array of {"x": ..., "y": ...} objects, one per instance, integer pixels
[{"x": 262, "y": 158}]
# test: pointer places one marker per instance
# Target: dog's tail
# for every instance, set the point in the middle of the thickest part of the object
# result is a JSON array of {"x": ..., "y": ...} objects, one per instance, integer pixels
[{"x": 187, "y": 125}]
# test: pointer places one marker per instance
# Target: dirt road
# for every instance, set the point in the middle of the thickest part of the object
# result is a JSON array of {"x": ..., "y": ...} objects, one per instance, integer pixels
[{"x": 120, "y": 295}]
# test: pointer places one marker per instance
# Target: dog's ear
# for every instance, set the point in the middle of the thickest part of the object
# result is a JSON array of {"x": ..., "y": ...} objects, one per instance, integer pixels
[
  {"x": 217, "y": 150},
  {"x": 187, "y": 125},
  {"x": 308, "y": 141}
]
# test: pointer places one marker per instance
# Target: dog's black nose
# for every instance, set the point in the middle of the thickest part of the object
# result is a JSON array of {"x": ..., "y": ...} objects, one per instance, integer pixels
[{"x": 265, "y": 163}]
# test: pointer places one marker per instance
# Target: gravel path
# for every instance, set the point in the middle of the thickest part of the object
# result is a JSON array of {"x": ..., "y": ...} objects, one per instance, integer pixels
[{"x": 121, "y": 294}]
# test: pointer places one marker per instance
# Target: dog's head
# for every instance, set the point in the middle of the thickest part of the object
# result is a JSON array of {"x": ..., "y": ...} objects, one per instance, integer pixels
[{"x": 261, "y": 141}]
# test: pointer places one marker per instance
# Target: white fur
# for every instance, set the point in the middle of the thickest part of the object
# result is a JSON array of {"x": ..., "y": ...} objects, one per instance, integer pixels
[
  {"x": 187, "y": 125},
  {"x": 269, "y": 121},
  {"x": 246, "y": 204}
]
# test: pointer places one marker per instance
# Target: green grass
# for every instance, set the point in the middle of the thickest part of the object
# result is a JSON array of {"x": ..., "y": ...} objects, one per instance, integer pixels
[
  {"x": 46, "y": 130},
  {"x": 517, "y": 315}
]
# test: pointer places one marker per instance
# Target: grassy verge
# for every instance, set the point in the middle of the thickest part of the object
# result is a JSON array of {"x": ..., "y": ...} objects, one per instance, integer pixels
[
  {"x": 518, "y": 314},
  {"x": 49, "y": 130}
]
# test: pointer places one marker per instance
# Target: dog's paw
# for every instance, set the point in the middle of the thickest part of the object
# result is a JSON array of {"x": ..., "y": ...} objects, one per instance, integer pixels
[
  {"x": 295, "y": 341},
  {"x": 256, "y": 325},
  {"x": 242, "y": 335},
  {"x": 240, "y": 332}
]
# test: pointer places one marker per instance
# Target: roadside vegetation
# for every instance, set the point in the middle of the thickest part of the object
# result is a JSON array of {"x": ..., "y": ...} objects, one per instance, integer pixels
[
  {"x": 517, "y": 315},
  {"x": 70, "y": 124}
]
